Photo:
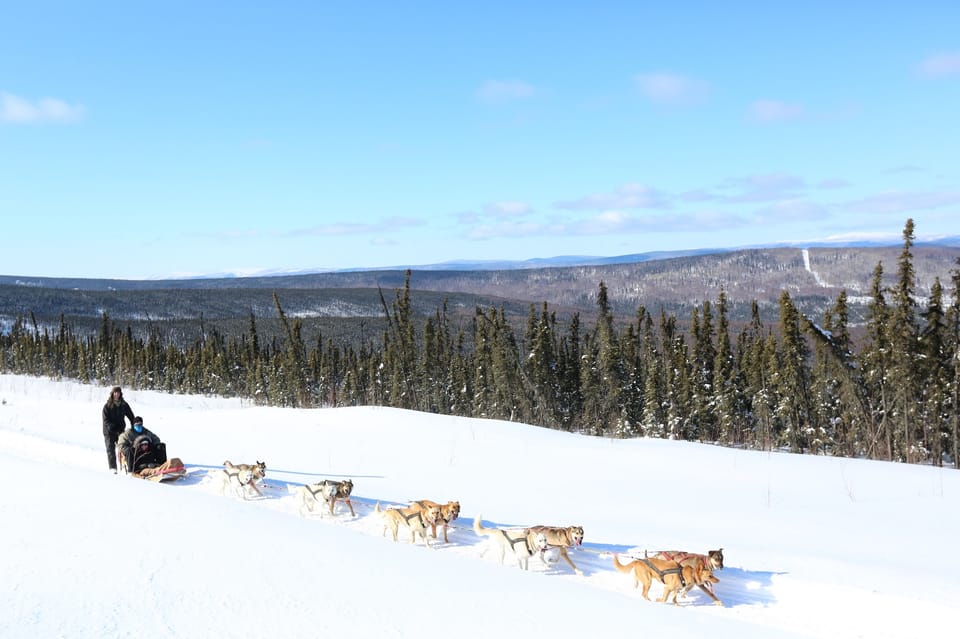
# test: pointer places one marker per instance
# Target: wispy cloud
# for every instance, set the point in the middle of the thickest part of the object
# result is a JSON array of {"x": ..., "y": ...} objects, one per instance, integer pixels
[
  {"x": 628, "y": 196},
  {"x": 940, "y": 65},
  {"x": 903, "y": 201},
  {"x": 623, "y": 223},
  {"x": 611, "y": 223},
  {"x": 769, "y": 111},
  {"x": 384, "y": 225},
  {"x": 671, "y": 89},
  {"x": 510, "y": 229},
  {"x": 766, "y": 187},
  {"x": 507, "y": 209},
  {"x": 500, "y": 91},
  {"x": 17, "y": 110},
  {"x": 793, "y": 209},
  {"x": 833, "y": 183}
]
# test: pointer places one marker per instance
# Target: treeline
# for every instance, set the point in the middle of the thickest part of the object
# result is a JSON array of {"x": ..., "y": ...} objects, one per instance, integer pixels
[{"x": 800, "y": 385}]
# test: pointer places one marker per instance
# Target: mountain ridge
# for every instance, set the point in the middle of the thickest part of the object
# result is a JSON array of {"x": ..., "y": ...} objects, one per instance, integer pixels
[
  {"x": 558, "y": 261},
  {"x": 350, "y": 304}
]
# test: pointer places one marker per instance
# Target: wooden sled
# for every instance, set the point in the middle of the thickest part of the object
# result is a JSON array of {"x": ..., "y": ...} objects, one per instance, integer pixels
[{"x": 170, "y": 470}]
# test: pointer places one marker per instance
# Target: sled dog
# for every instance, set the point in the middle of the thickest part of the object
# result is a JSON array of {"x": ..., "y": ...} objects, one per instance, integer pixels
[
  {"x": 243, "y": 477},
  {"x": 562, "y": 538},
  {"x": 672, "y": 575},
  {"x": 329, "y": 492},
  {"x": 713, "y": 559},
  {"x": 415, "y": 520},
  {"x": 448, "y": 512},
  {"x": 703, "y": 565},
  {"x": 522, "y": 543}
]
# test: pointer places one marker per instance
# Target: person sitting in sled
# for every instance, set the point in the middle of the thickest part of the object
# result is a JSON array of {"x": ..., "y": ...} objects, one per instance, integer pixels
[{"x": 140, "y": 448}]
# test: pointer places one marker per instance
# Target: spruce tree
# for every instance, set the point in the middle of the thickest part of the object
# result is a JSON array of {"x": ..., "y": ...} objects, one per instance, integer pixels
[
  {"x": 904, "y": 355},
  {"x": 874, "y": 360}
]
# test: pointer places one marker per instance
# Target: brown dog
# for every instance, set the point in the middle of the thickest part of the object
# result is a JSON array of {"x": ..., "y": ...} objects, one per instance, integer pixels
[
  {"x": 704, "y": 566},
  {"x": 448, "y": 513},
  {"x": 415, "y": 520},
  {"x": 562, "y": 538},
  {"x": 672, "y": 575},
  {"x": 713, "y": 559}
]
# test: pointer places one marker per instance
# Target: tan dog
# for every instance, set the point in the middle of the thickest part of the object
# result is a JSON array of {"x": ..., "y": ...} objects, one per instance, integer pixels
[
  {"x": 672, "y": 575},
  {"x": 713, "y": 559},
  {"x": 704, "y": 566},
  {"x": 243, "y": 477},
  {"x": 562, "y": 538},
  {"x": 522, "y": 543},
  {"x": 328, "y": 491},
  {"x": 415, "y": 520},
  {"x": 448, "y": 513}
]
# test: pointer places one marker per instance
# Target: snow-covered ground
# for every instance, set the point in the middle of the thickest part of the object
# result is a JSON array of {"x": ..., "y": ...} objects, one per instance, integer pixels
[{"x": 814, "y": 546}]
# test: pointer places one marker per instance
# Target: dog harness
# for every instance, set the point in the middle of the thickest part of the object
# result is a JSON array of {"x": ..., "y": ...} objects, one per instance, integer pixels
[
  {"x": 314, "y": 493},
  {"x": 235, "y": 474},
  {"x": 522, "y": 540},
  {"x": 669, "y": 571},
  {"x": 416, "y": 515}
]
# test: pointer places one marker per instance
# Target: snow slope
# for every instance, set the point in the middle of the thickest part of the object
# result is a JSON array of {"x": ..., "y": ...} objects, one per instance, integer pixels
[{"x": 814, "y": 546}]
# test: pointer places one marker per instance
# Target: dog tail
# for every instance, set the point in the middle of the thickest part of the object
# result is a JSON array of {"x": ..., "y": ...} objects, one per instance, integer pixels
[
  {"x": 621, "y": 567},
  {"x": 227, "y": 463},
  {"x": 478, "y": 527},
  {"x": 376, "y": 508}
]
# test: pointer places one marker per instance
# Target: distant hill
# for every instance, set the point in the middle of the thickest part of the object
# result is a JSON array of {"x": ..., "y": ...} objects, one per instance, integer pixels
[{"x": 349, "y": 301}]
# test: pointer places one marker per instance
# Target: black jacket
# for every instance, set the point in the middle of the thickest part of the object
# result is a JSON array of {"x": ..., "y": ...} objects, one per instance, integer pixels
[{"x": 113, "y": 414}]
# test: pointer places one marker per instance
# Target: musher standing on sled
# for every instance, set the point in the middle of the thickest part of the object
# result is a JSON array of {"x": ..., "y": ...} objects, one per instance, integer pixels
[{"x": 114, "y": 411}]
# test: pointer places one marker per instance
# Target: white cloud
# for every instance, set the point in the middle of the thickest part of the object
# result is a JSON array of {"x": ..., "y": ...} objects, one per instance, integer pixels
[
  {"x": 833, "y": 183},
  {"x": 622, "y": 222},
  {"x": 628, "y": 196},
  {"x": 775, "y": 111},
  {"x": 671, "y": 88},
  {"x": 764, "y": 187},
  {"x": 507, "y": 209},
  {"x": 940, "y": 65},
  {"x": 903, "y": 201},
  {"x": 17, "y": 110},
  {"x": 792, "y": 209},
  {"x": 509, "y": 229},
  {"x": 499, "y": 91},
  {"x": 384, "y": 225}
]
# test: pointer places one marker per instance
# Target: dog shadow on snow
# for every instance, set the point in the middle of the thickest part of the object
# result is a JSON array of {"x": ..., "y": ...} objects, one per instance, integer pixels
[{"x": 737, "y": 586}]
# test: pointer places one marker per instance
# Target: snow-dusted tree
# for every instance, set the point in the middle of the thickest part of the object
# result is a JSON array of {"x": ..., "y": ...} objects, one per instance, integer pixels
[{"x": 875, "y": 363}]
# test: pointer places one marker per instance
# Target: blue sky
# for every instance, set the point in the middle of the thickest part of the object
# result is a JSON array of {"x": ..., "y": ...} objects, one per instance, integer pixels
[{"x": 158, "y": 139}]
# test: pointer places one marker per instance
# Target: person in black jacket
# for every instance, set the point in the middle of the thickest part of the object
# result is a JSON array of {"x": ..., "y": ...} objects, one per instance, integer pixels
[
  {"x": 140, "y": 447},
  {"x": 114, "y": 412}
]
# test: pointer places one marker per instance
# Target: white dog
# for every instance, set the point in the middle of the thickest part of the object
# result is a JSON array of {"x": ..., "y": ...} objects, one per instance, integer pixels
[{"x": 523, "y": 544}]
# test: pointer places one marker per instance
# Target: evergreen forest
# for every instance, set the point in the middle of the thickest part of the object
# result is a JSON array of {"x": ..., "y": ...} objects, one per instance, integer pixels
[{"x": 801, "y": 384}]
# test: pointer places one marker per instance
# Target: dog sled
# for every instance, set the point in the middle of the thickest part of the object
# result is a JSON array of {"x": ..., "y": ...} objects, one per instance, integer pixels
[{"x": 150, "y": 462}]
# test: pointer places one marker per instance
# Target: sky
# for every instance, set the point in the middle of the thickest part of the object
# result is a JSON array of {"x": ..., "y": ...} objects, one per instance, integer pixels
[
  {"x": 180, "y": 139},
  {"x": 814, "y": 547}
]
